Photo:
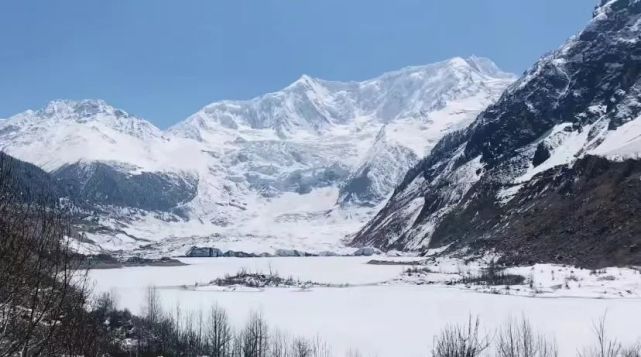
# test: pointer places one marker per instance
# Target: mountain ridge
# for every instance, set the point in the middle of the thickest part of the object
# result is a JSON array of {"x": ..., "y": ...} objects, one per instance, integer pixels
[
  {"x": 576, "y": 102},
  {"x": 288, "y": 173},
  {"x": 331, "y": 102}
]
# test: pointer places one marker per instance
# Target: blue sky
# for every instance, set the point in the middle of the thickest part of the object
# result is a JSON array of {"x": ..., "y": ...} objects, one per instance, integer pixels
[{"x": 165, "y": 59}]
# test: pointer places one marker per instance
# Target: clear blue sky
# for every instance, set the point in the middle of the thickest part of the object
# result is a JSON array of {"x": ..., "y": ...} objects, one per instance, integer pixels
[{"x": 165, "y": 59}]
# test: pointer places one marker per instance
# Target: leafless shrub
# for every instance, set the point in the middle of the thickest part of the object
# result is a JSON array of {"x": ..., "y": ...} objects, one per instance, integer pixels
[
  {"x": 417, "y": 270},
  {"x": 301, "y": 348},
  {"x": 606, "y": 346},
  {"x": 259, "y": 280},
  {"x": 461, "y": 340},
  {"x": 518, "y": 339},
  {"x": 631, "y": 351},
  {"x": 353, "y": 353},
  {"x": 492, "y": 275}
]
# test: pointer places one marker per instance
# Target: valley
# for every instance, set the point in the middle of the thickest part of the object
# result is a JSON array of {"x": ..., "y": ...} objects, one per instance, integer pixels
[{"x": 450, "y": 209}]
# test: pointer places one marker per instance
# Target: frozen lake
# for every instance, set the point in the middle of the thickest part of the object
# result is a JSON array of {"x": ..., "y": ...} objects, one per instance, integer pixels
[{"x": 378, "y": 320}]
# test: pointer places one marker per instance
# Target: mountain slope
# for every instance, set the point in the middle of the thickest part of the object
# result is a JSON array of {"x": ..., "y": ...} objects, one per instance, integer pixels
[
  {"x": 28, "y": 183},
  {"x": 479, "y": 184},
  {"x": 381, "y": 169},
  {"x": 98, "y": 183}
]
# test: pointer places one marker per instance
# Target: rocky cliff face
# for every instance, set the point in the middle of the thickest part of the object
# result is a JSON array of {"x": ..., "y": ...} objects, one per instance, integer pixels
[{"x": 478, "y": 185}]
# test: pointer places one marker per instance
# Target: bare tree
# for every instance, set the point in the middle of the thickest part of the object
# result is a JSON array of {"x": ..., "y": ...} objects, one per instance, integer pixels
[
  {"x": 279, "y": 344},
  {"x": 301, "y": 348},
  {"x": 150, "y": 331},
  {"x": 518, "y": 339},
  {"x": 632, "y": 351},
  {"x": 461, "y": 341},
  {"x": 219, "y": 334},
  {"x": 606, "y": 346},
  {"x": 353, "y": 353},
  {"x": 152, "y": 308},
  {"x": 237, "y": 346},
  {"x": 321, "y": 348},
  {"x": 255, "y": 336},
  {"x": 40, "y": 282}
]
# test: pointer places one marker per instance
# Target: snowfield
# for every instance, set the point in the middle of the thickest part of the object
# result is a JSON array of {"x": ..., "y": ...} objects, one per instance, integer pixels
[
  {"x": 397, "y": 318},
  {"x": 309, "y": 222}
]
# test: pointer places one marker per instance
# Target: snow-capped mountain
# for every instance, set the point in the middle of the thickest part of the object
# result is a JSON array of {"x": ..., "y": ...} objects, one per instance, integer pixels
[
  {"x": 548, "y": 172},
  {"x": 299, "y": 168},
  {"x": 314, "y": 131},
  {"x": 66, "y": 132},
  {"x": 315, "y": 106}
]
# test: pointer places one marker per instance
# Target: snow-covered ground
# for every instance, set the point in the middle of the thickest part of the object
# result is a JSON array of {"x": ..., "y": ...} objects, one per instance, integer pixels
[
  {"x": 309, "y": 222},
  {"x": 540, "y": 280},
  {"x": 398, "y": 318}
]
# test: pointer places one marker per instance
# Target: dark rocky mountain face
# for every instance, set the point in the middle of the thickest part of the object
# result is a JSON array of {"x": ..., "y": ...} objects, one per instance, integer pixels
[
  {"x": 601, "y": 66},
  {"x": 104, "y": 185},
  {"x": 584, "y": 215},
  {"x": 480, "y": 187},
  {"x": 90, "y": 191},
  {"x": 30, "y": 181},
  {"x": 98, "y": 185}
]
